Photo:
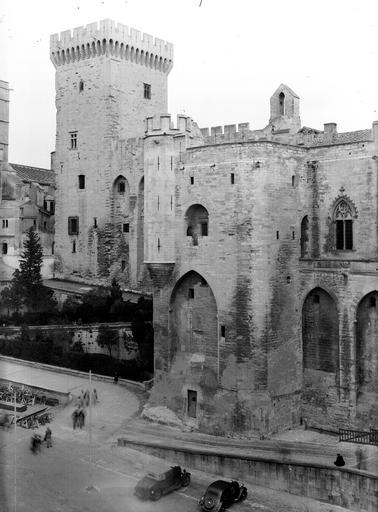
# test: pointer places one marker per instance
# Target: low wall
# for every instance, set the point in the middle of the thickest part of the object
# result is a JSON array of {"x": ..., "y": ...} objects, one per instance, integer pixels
[
  {"x": 353, "y": 489},
  {"x": 141, "y": 386}
]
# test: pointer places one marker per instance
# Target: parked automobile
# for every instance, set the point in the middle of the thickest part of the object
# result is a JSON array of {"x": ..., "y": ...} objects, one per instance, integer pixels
[
  {"x": 221, "y": 494},
  {"x": 153, "y": 486}
]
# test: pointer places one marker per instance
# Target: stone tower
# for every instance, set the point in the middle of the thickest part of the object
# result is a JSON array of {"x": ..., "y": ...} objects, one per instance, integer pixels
[
  {"x": 109, "y": 78},
  {"x": 4, "y": 120}
]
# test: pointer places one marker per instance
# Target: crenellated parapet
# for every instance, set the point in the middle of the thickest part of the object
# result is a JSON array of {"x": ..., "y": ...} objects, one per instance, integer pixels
[
  {"x": 231, "y": 133},
  {"x": 163, "y": 124},
  {"x": 111, "y": 39}
]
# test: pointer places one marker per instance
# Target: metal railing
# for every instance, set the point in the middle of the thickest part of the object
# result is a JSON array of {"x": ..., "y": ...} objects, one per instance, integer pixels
[{"x": 359, "y": 436}]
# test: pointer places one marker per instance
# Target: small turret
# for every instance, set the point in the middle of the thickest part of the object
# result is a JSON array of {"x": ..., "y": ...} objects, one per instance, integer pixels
[
  {"x": 284, "y": 110},
  {"x": 160, "y": 159}
]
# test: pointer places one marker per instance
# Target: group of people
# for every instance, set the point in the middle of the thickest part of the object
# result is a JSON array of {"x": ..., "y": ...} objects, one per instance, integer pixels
[
  {"x": 78, "y": 416},
  {"x": 36, "y": 440}
]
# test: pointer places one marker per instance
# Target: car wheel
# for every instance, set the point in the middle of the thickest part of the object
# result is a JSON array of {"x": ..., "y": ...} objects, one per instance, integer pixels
[
  {"x": 155, "y": 494},
  {"x": 244, "y": 495},
  {"x": 185, "y": 481}
]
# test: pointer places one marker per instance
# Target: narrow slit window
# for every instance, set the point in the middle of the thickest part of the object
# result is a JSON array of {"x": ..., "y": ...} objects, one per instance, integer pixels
[
  {"x": 95, "y": 222},
  {"x": 81, "y": 86},
  {"x": 81, "y": 181},
  {"x": 223, "y": 331},
  {"x": 126, "y": 227},
  {"x": 121, "y": 187},
  {"x": 192, "y": 180},
  {"x": 277, "y": 235},
  {"x": 232, "y": 176},
  {"x": 293, "y": 181},
  {"x": 158, "y": 245},
  {"x": 74, "y": 246}
]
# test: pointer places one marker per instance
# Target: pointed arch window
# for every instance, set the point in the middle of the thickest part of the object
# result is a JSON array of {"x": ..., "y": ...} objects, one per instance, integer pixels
[
  {"x": 281, "y": 101},
  {"x": 343, "y": 219}
]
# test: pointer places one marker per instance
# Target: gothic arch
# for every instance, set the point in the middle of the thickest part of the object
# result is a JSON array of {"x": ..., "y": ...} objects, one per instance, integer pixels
[
  {"x": 196, "y": 222},
  {"x": 367, "y": 345},
  {"x": 193, "y": 323},
  {"x": 320, "y": 332},
  {"x": 120, "y": 200},
  {"x": 343, "y": 214}
]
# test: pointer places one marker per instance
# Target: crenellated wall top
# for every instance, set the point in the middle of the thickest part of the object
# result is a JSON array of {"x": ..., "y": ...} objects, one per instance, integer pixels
[
  {"x": 163, "y": 124},
  {"x": 109, "y": 37}
]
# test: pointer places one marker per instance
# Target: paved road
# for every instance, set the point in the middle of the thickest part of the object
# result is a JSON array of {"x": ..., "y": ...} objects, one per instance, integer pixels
[{"x": 56, "y": 480}]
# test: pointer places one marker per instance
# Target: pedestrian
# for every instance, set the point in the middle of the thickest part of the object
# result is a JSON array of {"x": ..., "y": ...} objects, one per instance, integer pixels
[
  {"x": 116, "y": 378},
  {"x": 360, "y": 458},
  {"x": 95, "y": 396},
  {"x": 48, "y": 437},
  {"x": 86, "y": 398},
  {"x": 339, "y": 460},
  {"x": 81, "y": 418},
  {"x": 75, "y": 418}
]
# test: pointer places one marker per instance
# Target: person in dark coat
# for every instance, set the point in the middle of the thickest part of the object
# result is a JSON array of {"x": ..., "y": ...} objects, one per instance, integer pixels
[
  {"x": 115, "y": 378},
  {"x": 339, "y": 460},
  {"x": 48, "y": 434}
]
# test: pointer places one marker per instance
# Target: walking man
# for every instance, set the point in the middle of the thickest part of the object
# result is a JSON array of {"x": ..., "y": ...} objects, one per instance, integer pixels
[{"x": 48, "y": 437}]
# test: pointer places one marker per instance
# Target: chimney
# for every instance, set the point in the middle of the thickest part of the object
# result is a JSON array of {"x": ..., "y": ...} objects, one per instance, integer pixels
[{"x": 330, "y": 129}]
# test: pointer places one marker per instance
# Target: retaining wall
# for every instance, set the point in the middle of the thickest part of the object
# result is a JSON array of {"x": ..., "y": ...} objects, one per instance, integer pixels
[{"x": 353, "y": 489}]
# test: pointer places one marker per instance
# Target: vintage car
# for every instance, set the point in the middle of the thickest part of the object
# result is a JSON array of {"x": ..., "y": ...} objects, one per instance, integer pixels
[
  {"x": 153, "y": 485},
  {"x": 221, "y": 494}
]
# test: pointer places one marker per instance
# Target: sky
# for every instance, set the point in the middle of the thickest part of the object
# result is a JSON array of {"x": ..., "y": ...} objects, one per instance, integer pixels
[{"x": 229, "y": 58}]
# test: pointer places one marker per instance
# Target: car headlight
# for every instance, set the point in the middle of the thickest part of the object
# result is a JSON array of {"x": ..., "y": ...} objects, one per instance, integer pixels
[{"x": 209, "y": 502}]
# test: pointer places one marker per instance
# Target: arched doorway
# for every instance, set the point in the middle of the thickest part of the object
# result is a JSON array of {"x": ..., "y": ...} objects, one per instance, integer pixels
[
  {"x": 193, "y": 317},
  {"x": 320, "y": 332},
  {"x": 367, "y": 346}
]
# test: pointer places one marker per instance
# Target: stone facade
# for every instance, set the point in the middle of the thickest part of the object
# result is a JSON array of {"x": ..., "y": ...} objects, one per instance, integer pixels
[
  {"x": 27, "y": 199},
  {"x": 108, "y": 79},
  {"x": 261, "y": 245}
]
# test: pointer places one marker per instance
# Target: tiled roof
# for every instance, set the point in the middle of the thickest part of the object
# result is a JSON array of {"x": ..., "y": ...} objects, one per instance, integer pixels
[
  {"x": 34, "y": 174},
  {"x": 322, "y": 139}
]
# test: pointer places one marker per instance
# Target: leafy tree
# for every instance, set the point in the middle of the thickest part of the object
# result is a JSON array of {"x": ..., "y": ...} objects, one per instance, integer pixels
[
  {"x": 12, "y": 295},
  {"x": 108, "y": 338}
]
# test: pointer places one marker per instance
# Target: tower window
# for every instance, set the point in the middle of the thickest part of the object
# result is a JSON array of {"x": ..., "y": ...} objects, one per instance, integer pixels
[
  {"x": 81, "y": 86},
  {"x": 81, "y": 181},
  {"x": 121, "y": 187},
  {"x": 5, "y": 248},
  {"x": 147, "y": 91},
  {"x": 95, "y": 222},
  {"x": 126, "y": 228},
  {"x": 281, "y": 100},
  {"x": 223, "y": 331},
  {"x": 293, "y": 181},
  {"x": 73, "y": 225},
  {"x": 73, "y": 136},
  {"x": 204, "y": 228},
  {"x": 232, "y": 176},
  {"x": 74, "y": 246},
  {"x": 277, "y": 235},
  {"x": 191, "y": 293},
  {"x": 192, "y": 180},
  {"x": 5, "y": 223},
  {"x": 344, "y": 226}
]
